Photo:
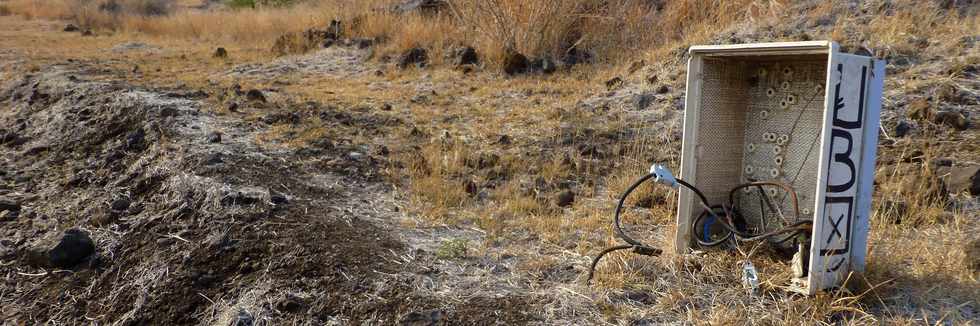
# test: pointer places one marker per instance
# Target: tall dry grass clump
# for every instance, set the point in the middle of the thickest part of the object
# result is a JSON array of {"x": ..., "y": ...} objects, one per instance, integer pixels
[{"x": 605, "y": 31}]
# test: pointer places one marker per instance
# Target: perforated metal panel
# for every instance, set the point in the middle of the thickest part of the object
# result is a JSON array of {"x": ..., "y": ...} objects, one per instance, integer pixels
[
  {"x": 765, "y": 118},
  {"x": 763, "y": 112},
  {"x": 782, "y": 137}
]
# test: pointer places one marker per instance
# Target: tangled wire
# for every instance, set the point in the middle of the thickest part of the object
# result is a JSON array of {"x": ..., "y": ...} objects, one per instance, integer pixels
[{"x": 728, "y": 220}]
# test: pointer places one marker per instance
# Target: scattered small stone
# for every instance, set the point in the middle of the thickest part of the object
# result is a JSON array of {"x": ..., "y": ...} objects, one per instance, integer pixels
[
  {"x": 565, "y": 198},
  {"x": 8, "y": 204},
  {"x": 420, "y": 99},
  {"x": 75, "y": 247},
  {"x": 355, "y": 156},
  {"x": 902, "y": 129},
  {"x": 638, "y": 296},
  {"x": 278, "y": 199},
  {"x": 71, "y": 28},
  {"x": 965, "y": 179},
  {"x": 942, "y": 162},
  {"x": 361, "y": 43},
  {"x": 255, "y": 95},
  {"x": 642, "y": 101},
  {"x": 386, "y": 107},
  {"x": 466, "y": 56},
  {"x": 136, "y": 140},
  {"x": 418, "y": 57},
  {"x": 575, "y": 56},
  {"x": 7, "y": 216},
  {"x": 213, "y": 159},
  {"x": 589, "y": 150},
  {"x": 652, "y": 79},
  {"x": 544, "y": 65},
  {"x": 383, "y": 150},
  {"x": 242, "y": 197},
  {"x": 471, "y": 187},
  {"x": 166, "y": 241},
  {"x": 663, "y": 89},
  {"x": 120, "y": 204},
  {"x": 614, "y": 83},
  {"x": 220, "y": 53},
  {"x": 953, "y": 119},
  {"x": 88, "y": 32},
  {"x": 168, "y": 112},
  {"x": 214, "y": 137},
  {"x": 515, "y": 63},
  {"x": 243, "y": 319}
]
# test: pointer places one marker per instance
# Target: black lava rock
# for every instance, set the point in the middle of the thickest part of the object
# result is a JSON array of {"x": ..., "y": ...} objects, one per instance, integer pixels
[
  {"x": 466, "y": 56},
  {"x": 120, "y": 204},
  {"x": 516, "y": 63},
  {"x": 418, "y": 57},
  {"x": 214, "y": 137},
  {"x": 135, "y": 141},
  {"x": 278, "y": 199},
  {"x": 902, "y": 129},
  {"x": 75, "y": 247},
  {"x": 255, "y": 95},
  {"x": 220, "y": 53},
  {"x": 565, "y": 198},
  {"x": 7, "y": 204},
  {"x": 544, "y": 65}
]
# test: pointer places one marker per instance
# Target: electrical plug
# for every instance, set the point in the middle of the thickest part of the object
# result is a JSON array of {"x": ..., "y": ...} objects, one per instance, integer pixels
[{"x": 662, "y": 174}]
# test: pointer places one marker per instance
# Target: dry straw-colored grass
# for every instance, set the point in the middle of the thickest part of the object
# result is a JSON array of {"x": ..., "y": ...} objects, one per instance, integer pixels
[
  {"x": 612, "y": 31},
  {"x": 917, "y": 266}
]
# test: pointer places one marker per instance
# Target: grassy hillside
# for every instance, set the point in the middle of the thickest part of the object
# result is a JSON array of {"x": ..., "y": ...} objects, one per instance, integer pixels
[{"x": 498, "y": 155}]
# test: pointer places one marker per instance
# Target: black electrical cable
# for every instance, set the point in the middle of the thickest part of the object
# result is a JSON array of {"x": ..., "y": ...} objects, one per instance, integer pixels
[
  {"x": 787, "y": 188},
  {"x": 619, "y": 210},
  {"x": 638, "y": 247}
]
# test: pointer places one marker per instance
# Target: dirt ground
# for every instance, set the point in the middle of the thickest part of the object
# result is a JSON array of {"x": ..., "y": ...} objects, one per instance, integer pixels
[
  {"x": 267, "y": 191},
  {"x": 196, "y": 230}
]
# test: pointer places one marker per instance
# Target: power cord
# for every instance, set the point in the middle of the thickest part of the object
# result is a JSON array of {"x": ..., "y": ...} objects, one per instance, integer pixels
[{"x": 661, "y": 174}]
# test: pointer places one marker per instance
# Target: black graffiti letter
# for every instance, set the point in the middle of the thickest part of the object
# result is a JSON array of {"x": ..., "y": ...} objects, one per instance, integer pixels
[
  {"x": 844, "y": 158},
  {"x": 839, "y": 101}
]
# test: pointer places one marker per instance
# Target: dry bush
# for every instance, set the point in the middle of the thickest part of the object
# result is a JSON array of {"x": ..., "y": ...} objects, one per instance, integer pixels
[{"x": 43, "y": 9}]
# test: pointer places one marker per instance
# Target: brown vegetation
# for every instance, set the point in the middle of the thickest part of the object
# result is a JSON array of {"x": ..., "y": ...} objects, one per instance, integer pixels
[{"x": 497, "y": 154}]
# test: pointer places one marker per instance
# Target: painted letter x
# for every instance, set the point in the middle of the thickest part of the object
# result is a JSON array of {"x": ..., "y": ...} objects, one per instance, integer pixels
[{"x": 836, "y": 227}]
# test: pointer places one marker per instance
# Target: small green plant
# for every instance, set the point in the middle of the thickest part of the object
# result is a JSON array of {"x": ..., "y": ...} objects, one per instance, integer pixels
[
  {"x": 453, "y": 248},
  {"x": 241, "y": 3}
]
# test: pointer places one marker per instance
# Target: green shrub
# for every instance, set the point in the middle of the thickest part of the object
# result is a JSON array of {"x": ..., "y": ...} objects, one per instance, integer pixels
[{"x": 453, "y": 248}]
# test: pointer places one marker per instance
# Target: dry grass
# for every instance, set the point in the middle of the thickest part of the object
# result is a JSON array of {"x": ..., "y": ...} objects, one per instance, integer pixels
[
  {"x": 612, "y": 31},
  {"x": 917, "y": 266}
]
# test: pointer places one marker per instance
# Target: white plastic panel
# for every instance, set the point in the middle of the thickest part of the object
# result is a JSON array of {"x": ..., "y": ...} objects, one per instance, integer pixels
[
  {"x": 813, "y": 126},
  {"x": 847, "y": 163}
]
